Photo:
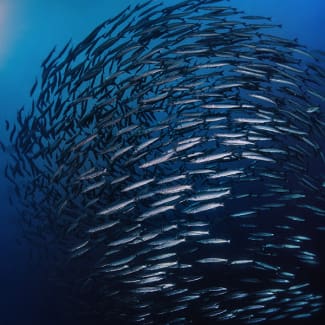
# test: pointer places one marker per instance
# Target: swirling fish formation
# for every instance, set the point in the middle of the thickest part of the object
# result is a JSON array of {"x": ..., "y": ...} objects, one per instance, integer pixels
[{"x": 170, "y": 162}]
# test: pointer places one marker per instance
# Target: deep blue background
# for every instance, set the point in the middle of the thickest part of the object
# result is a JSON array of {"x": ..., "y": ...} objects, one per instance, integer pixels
[{"x": 32, "y": 28}]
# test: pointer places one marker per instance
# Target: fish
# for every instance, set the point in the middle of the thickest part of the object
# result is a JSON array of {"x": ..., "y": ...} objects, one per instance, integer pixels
[
  {"x": 173, "y": 149},
  {"x": 103, "y": 227},
  {"x": 212, "y": 260}
]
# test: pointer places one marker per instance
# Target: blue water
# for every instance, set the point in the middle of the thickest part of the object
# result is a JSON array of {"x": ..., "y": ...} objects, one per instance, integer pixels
[{"x": 30, "y": 29}]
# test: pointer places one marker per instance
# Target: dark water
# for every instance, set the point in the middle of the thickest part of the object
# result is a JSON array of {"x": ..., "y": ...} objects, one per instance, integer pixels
[{"x": 27, "y": 297}]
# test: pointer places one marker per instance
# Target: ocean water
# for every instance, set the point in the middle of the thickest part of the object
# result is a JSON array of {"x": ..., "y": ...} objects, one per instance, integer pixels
[{"x": 28, "y": 31}]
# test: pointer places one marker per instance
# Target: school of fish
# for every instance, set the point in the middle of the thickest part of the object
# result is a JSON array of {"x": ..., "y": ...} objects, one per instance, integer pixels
[{"x": 169, "y": 166}]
